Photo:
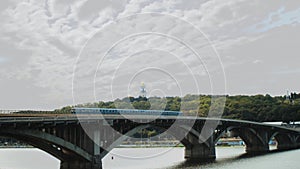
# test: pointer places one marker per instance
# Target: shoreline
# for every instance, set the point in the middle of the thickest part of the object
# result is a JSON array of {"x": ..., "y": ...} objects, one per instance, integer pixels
[{"x": 121, "y": 146}]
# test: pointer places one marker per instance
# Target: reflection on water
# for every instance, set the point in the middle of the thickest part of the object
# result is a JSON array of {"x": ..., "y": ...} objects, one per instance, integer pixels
[
  {"x": 273, "y": 160},
  {"x": 155, "y": 158},
  {"x": 138, "y": 158},
  {"x": 27, "y": 158},
  {"x": 227, "y": 158},
  {"x": 159, "y": 158}
]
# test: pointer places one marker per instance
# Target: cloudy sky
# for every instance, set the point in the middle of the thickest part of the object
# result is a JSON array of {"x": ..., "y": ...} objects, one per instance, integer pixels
[{"x": 60, "y": 52}]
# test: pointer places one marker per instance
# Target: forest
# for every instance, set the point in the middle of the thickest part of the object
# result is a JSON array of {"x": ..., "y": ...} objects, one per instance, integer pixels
[{"x": 260, "y": 108}]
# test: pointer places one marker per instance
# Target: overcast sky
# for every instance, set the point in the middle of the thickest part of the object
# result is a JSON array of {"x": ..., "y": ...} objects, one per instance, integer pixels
[{"x": 52, "y": 50}]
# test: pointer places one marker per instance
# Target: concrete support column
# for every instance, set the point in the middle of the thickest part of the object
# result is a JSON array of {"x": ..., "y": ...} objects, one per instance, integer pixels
[
  {"x": 200, "y": 152},
  {"x": 257, "y": 140},
  {"x": 286, "y": 142},
  {"x": 258, "y": 143},
  {"x": 257, "y": 149},
  {"x": 287, "y": 146},
  {"x": 80, "y": 165}
]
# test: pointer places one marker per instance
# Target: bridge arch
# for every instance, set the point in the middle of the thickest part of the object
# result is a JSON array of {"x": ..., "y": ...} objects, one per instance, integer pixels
[
  {"x": 284, "y": 141},
  {"x": 187, "y": 136},
  {"x": 57, "y": 147},
  {"x": 222, "y": 132},
  {"x": 253, "y": 140}
]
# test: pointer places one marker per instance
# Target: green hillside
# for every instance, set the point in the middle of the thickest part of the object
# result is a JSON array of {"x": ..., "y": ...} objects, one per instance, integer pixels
[{"x": 254, "y": 108}]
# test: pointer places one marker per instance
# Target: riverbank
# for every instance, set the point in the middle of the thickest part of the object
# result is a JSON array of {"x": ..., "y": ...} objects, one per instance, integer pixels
[{"x": 13, "y": 147}]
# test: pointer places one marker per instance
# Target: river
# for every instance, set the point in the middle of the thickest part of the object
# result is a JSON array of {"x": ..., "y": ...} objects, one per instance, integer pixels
[{"x": 155, "y": 158}]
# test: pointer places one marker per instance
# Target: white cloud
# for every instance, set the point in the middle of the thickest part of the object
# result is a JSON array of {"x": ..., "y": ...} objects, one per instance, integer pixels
[
  {"x": 277, "y": 19},
  {"x": 257, "y": 61},
  {"x": 43, "y": 38}
]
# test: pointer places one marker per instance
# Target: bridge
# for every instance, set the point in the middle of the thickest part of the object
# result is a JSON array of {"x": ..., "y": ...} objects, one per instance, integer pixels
[{"x": 82, "y": 142}]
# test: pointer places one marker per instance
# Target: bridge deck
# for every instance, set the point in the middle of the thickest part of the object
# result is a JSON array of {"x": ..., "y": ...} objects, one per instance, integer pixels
[
  {"x": 63, "y": 135},
  {"x": 25, "y": 118}
]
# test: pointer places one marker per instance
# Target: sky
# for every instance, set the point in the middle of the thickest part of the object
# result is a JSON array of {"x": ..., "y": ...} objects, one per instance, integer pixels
[{"x": 63, "y": 52}]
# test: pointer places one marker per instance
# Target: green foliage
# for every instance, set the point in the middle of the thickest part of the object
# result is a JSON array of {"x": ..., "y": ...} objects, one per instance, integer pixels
[
  {"x": 64, "y": 110},
  {"x": 254, "y": 108}
]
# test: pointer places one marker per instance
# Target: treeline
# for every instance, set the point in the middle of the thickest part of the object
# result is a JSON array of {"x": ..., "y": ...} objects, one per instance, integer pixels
[
  {"x": 262, "y": 108},
  {"x": 34, "y": 112},
  {"x": 254, "y": 108}
]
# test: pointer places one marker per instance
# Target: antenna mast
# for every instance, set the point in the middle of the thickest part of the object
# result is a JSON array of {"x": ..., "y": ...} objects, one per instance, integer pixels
[{"x": 143, "y": 92}]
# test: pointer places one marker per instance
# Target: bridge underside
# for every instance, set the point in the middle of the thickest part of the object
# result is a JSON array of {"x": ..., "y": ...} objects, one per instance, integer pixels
[{"x": 78, "y": 148}]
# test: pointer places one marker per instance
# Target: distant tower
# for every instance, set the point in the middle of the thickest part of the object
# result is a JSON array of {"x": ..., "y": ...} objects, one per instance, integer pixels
[
  {"x": 287, "y": 95},
  {"x": 143, "y": 92}
]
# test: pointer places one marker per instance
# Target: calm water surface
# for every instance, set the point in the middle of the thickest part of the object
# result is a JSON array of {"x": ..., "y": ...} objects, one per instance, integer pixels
[{"x": 155, "y": 158}]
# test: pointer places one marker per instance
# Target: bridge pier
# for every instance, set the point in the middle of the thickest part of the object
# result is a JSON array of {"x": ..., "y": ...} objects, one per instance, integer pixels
[
  {"x": 256, "y": 139},
  {"x": 200, "y": 152},
  {"x": 77, "y": 164},
  {"x": 286, "y": 147},
  {"x": 257, "y": 149},
  {"x": 286, "y": 142},
  {"x": 80, "y": 165}
]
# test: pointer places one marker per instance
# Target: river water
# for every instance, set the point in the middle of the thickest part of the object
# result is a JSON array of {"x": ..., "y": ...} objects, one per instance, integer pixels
[{"x": 155, "y": 158}]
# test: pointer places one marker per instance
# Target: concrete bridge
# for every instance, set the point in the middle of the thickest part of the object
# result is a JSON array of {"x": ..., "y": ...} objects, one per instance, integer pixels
[{"x": 81, "y": 143}]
